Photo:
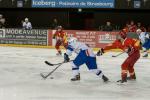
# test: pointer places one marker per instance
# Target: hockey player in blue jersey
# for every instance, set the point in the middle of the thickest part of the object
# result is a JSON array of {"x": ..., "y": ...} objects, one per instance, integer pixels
[
  {"x": 85, "y": 55},
  {"x": 145, "y": 41}
]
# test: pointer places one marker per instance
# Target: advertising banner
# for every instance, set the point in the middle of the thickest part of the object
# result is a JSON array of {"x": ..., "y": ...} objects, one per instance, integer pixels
[
  {"x": 2, "y": 33},
  {"x": 20, "y": 36},
  {"x": 88, "y": 37},
  {"x": 73, "y": 3},
  {"x": 95, "y": 39},
  {"x": 104, "y": 38}
]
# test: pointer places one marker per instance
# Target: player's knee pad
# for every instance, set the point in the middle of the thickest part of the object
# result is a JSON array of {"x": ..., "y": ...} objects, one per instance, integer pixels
[
  {"x": 124, "y": 66},
  {"x": 131, "y": 69}
]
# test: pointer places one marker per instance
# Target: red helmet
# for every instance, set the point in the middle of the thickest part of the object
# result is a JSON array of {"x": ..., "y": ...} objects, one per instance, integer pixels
[
  {"x": 125, "y": 30},
  {"x": 123, "y": 34},
  {"x": 59, "y": 28}
]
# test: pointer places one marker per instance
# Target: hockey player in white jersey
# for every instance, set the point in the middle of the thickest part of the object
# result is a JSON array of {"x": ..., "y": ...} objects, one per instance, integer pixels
[
  {"x": 85, "y": 55},
  {"x": 145, "y": 41},
  {"x": 26, "y": 24}
]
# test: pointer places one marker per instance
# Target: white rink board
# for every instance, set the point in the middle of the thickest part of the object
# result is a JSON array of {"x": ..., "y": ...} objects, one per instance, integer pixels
[{"x": 20, "y": 79}]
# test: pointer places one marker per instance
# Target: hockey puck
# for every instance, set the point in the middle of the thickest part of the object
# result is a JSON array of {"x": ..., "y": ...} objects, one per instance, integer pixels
[{"x": 51, "y": 77}]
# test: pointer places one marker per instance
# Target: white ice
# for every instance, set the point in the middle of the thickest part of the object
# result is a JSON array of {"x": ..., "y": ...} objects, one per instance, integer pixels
[{"x": 20, "y": 78}]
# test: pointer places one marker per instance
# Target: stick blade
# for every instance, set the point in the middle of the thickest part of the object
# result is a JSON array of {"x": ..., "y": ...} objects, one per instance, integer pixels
[
  {"x": 48, "y": 63},
  {"x": 42, "y": 76},
  {"x": 113, "y": 56}
]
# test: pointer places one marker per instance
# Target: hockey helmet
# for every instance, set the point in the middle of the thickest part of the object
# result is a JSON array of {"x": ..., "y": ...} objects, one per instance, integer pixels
[
  {"x": 125, "y": 30},
  {"x": 72, "y": 41},
  {"x": 59, "y": 28},
  {"x": 26, "y": 19},
  {"x": 138, "y": 31},
  {"x": 123, "y": 34}
]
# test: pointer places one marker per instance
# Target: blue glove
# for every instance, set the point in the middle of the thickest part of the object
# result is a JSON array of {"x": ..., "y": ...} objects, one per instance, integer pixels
[{"x": 66, "y": 58}]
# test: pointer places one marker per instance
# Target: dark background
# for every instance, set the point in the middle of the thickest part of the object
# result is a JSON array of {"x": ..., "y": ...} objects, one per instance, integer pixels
[
  {"x": 73, "y": 19},
  {"x": 123, "y": 4},
  {"x": 9, "y": 4}
]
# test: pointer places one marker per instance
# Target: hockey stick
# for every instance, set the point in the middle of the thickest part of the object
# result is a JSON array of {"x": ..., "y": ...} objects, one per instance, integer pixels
[
  {"x": 50, "y": 64},
  {"x": 118, "y": 54},
  {"x": 45, "y": 76}
]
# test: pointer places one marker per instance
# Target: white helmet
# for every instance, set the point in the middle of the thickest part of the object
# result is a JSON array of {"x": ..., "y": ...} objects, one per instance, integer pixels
[
  {"x": 1, "y": 15},
  {"x": 26, "y": 19},
  {"x": 72, "y": 41},
  {"x": 138, "y": 31}
]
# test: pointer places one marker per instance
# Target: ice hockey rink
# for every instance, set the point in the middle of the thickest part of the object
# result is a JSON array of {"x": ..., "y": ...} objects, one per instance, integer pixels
[{"x": 20, "y": 78}]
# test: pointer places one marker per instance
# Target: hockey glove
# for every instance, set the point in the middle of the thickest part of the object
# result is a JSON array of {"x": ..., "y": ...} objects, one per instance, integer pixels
[
  {"x": 54, "y": 37},
  {"x": 100, "y": 52},
  {"x": 66, "y": 58},
  {"x": 129, "y": 50}
]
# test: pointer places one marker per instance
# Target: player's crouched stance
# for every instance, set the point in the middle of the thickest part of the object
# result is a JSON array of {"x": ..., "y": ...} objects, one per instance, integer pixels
[
  {"x": 85, "y": 55},
  {"x": 131, "y": 47}
]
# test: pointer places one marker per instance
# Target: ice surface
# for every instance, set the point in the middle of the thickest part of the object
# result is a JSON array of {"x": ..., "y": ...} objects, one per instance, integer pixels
[{"x": 20, "y": 78}]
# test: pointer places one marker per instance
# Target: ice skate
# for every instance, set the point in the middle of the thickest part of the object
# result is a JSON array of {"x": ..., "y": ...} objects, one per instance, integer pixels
[
  {"x": 59, "y": 53},
  {"x": 105, "y": 79},
  {"x": 133, "y": 77},
  {"x": 76, "y": 78},
  {"x": 146, "y": 55}
]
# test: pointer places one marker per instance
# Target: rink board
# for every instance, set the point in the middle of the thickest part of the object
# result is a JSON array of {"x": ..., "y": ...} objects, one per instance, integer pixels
[{"x": 42, "y": 38}]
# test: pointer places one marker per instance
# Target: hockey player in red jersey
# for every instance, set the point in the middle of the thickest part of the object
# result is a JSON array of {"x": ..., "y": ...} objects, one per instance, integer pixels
[
  {"x": 131, "y": 47},
  {"x": 61, "y": 39}
]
